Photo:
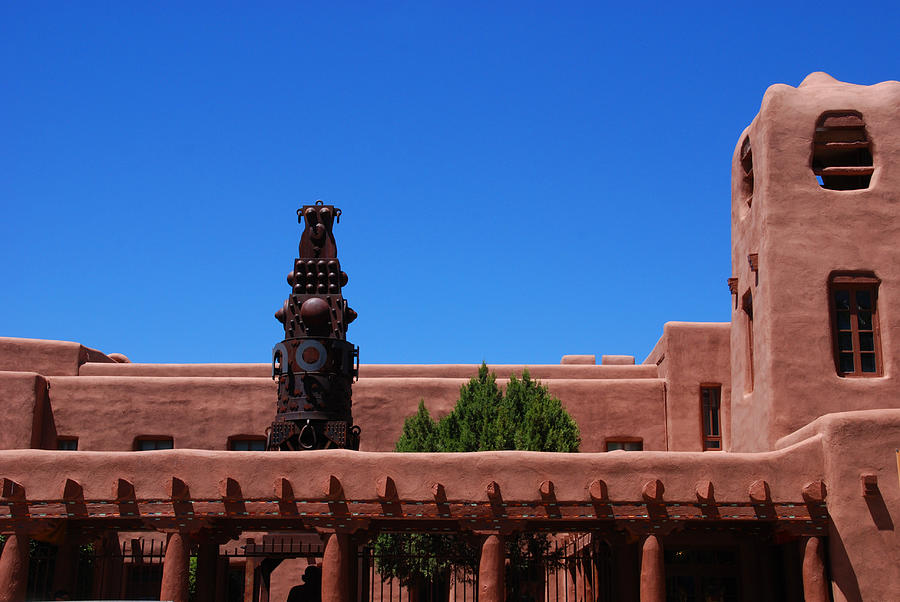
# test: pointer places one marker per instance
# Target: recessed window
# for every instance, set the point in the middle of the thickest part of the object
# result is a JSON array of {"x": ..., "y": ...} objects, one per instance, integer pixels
[
  {"x": 247, "y": 444},
  {"x": 710, "y": 404},
  {"x": 747, "y": 305},
  {"x": 67, "y": 443},
  {"x": 747, "y": 168},
  {"x": 854, "y": 320},
  {"x": 624, "y": 444},
  {"x": 842, "y": 155},
  {"x": 153, "y": 443}
]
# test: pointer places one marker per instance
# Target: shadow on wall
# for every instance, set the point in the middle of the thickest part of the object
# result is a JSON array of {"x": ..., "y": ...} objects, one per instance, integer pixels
[
  {"x": 843, "y": 576},
  {"x": 878, "y": 510}
]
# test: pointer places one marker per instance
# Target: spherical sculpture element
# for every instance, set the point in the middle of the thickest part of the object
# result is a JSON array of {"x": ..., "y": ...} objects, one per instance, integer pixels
[{"x": 316, "y": 316}]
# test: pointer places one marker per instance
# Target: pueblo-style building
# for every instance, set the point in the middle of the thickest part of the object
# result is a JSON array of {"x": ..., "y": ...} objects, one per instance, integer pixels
[{"x": 740, "y": 461}]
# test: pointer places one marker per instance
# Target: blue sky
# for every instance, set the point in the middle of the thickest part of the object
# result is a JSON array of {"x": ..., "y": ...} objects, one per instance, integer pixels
[{"x": 518, "y": 181}]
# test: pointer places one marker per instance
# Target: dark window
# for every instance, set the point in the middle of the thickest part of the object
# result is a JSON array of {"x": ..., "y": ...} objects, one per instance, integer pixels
[
  {"x": 153, "y": 443},
  {"x": 625, "y": 444},
  {"x": 247, "y": 444},
  {"x": 857, "y": 348},
  {"x": 747, "y": 305},
  {"x": 747, "y": 167},
  {"x": 67, "y": 443},
  {"x": 710, "y": 404},
  {"x": 842, "y": 156}
]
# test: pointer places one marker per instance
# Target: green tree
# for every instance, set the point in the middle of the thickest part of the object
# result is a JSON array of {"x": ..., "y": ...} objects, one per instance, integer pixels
[{"x": 526, "y": 417}]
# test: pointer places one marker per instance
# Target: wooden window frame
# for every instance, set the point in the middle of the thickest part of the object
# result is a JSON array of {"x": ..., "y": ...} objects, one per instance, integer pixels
[
  {"x": 853, "y": 283},
  {"x": 138, "y": 440},
  {"x": 236, "y": 438},
  {"x": 705, "y": 436},
  {"x": 624, "y": 440}
]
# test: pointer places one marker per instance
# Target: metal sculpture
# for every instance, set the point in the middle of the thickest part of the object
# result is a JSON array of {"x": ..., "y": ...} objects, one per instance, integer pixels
[{"x": 315, "y": 365}]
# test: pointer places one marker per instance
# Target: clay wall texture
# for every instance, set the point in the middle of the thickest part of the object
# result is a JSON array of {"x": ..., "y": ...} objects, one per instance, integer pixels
[{"x": 107, "y": 413}]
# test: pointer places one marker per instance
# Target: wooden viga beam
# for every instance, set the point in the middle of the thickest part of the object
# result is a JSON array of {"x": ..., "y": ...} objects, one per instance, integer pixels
[{"x": 389, "y": 502}]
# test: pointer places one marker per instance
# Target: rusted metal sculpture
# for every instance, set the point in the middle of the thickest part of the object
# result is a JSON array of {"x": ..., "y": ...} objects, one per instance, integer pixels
[{"x": 315, "y": 365}]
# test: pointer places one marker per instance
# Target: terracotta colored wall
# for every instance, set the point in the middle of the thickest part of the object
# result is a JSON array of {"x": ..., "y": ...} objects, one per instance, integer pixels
[
  {"x": 50, "y": 358},
  {"x": 107, "y": 413},
  {"x": 25, "y": 410},
  {"x": 465, "y": 476},
  {"x": 366, "y": 371},
  {"x": 602, "y": 408},
  {"x": 864, "y": 541},
  {"x": 691, "y": 355},
  {"x": 802, "y": 233}
]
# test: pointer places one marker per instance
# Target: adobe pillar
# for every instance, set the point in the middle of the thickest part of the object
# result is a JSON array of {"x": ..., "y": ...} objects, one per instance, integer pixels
[
  {"x": 653, "y": 577},
  {"x": 176, "y": 568},
  {"x": 336, "y": 570},
  {"x": 14, "y": 568},
  {"x": 815, "y": 587},
  {"x": 492, "y": 570}
]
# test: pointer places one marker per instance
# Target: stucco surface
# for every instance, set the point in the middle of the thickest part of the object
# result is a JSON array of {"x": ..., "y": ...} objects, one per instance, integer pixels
[
  {"x": 465, "y": 476},
  {"x": 802, "y": 233},
  {"x": 695, "y": 355},
  {"x": 604, "y": 408},
  {"x": 107, "y": 413},
  {"x": 539, "y": 371},
  {"x": 23, "y": 397},
  {"x": 50, "y": 358},
  {"x": 864, "y": 541}
]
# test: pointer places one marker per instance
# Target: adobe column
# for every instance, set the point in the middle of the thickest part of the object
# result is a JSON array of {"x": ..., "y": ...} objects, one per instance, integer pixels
[
  {"x": 653, "y": 576},
  {"x": 336, "y": 573},
  {"x": 14, "y": 568},
  {"x": 815, "y": 588},
  {"x": 492, "y": 570},
  {"x": 176, "y": 568}
]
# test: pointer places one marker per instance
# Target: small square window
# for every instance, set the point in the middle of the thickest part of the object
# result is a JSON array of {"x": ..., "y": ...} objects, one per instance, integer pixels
[
  {"x": 624, "y": 444},
  {"x": 247, "y": 444},
  {"x": 153, "y": 443},
  {"x": 67, "y": 443}
]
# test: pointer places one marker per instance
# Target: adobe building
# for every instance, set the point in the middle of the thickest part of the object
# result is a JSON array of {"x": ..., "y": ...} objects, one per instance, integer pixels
[{"x": 749, "y": 460}]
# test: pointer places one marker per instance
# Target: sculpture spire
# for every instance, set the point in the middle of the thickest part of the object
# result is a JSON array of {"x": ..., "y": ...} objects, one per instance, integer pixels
[{"x": 315, "y": 365}]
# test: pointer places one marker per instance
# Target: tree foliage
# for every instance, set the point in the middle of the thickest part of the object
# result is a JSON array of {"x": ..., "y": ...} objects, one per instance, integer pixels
[{"x": 526, "y": 417}]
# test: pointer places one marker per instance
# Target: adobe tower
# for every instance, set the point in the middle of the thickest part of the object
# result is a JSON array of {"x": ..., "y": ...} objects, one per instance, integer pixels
[
  {"x": 315, "y": 365},
  {"x": 815, "y": 259}
]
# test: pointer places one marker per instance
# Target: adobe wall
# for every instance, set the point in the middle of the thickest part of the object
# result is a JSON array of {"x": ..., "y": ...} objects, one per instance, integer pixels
[
  {"x": 690, "y": 355},
  {"x": 107, "y": 413},
  {"x": 603, "y": 409},
  {"x": 108, "y": 404},
  {"x": 864, "y": 540},
  {"x": 465, "y": 476},
  {"x": 801, "y": 233},
  {"x": 366, "y": 371},
  {"x": 50, "y": 358},
  {"x": 26, "y": 411}
]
